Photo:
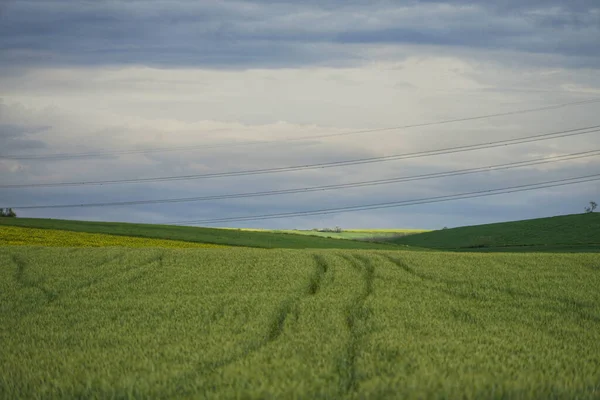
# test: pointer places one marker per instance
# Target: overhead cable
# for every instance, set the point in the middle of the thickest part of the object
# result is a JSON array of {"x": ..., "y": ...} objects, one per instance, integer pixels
[
  {"x": 426, "y": 200},
  {"x": 428, "y": 153},
  {"x": 489, "y": 168},
  {"x": 106, "y": 153}
]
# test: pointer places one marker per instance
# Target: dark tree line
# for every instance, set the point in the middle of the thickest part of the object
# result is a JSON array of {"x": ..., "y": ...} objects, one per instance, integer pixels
[{"x": 7, "y": 212}]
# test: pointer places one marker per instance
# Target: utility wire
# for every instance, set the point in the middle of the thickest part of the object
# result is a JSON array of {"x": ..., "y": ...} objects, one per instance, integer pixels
[
  {"x": 66, "y": 156},
  {"x": 498, "y": 167},
  {"x": 427, "y": 200},
  {"x": 450, "y": 150}
]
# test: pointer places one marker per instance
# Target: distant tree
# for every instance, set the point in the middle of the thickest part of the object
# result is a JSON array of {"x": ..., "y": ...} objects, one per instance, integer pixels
[
  {"x": 591, "y": 208},
  {"x": 8, "y": 212}
]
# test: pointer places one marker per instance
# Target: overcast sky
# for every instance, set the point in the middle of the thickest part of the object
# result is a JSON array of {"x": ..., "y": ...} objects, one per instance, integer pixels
[{"x": 210, "y": 77}]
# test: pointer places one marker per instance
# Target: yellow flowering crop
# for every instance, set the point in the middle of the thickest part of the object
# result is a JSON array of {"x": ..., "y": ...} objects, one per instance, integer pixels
[{"x": 15, "y": 236}]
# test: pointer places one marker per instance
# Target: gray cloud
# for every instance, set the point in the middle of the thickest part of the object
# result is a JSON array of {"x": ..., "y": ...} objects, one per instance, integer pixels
[
  {"x": 15, "y": 138},
  {"x": 240, "y": 34}
]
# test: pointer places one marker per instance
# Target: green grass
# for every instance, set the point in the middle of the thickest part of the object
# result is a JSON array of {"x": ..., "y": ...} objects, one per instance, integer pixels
[
  {"x": 313, "y": 324},
  {"x": 569, "y": 233},
  {"x": 229, "y": 237}
]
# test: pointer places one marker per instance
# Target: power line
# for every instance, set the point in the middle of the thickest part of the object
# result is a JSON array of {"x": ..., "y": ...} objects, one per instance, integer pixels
[
  {"x": 66, "y": 156},
  {"x": 519, "y": 164},
  {"x": 427, "y": 200},
  {"x": 450, "y": 150}
]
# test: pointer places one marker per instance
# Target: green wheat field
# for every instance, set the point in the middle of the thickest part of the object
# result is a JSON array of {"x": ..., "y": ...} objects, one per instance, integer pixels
[{"x": 314, "y": 323}]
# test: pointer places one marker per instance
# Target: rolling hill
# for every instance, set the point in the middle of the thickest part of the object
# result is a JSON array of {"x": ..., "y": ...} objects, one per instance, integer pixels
[{"x": 578, "y": 232}]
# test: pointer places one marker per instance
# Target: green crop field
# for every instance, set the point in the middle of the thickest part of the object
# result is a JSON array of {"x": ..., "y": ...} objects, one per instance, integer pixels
[
  {"x": 229, "y": 237},
  {"x": 568, "y": 233},
  {"x": 312, "y": 324}
]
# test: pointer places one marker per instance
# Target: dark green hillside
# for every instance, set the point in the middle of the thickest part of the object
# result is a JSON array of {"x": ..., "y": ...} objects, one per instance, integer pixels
[
  {"x": 231, "y": 237},
  {"x": 578, "y": 232}
]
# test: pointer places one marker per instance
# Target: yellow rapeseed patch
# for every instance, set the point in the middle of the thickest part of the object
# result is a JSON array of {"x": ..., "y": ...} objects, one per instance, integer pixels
[{"x": 16, "y": 236}]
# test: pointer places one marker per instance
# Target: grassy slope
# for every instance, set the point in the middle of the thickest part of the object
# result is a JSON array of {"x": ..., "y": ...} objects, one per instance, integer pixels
[
  {"x": 230, "y": 237},
  {"x": 579, "y": 232},
  {"x": 253, "y": 323}
]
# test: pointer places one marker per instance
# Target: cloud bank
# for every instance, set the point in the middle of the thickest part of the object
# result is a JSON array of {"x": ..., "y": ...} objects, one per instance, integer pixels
[{"x": 99, "y": 76}]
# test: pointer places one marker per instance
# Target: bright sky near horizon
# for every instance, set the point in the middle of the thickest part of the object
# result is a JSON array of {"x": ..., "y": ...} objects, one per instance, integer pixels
[{"x": 112, "y": 76}]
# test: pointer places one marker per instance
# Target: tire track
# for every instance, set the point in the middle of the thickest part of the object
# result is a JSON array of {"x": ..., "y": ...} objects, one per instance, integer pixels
[
  {"x": 474, "y": 295},
  {"x": 404, "y": 266},
  {"x": 312, "y": 288},
  {"x": 142, "y": 269},
  {"x": 316, "y": 280},
  {"x": 463, "y": 290},
  {"x": 107, "y": 260},
  {"x": 53, "y": 295},
  {"x": 357, "y": 316},
  {"x": 22, "y": 279},
  {"x": 274, "y": 328},
  {"x": 50, "y": 295},
  {"x": 458, "y": 289},
  {"x": 96, "y": 280}
]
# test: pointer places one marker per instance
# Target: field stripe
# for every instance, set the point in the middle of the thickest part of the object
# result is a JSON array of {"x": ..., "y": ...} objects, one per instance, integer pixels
[{"x": 18, "y": 236}]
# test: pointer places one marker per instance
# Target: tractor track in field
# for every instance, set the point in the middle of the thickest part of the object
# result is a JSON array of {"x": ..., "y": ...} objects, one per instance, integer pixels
[
  {"x": 450, "y": 283},
  {"x": 142, "y": 269},
  {"x": 52, "y": 296},
  {"x": 108, "y": 260},
  {"x": 463, "y": 290},
  {"x": 458, "y": 289},
  {"x": 24, "y": 281},
  {"x": 470, "y": 295},
  {"x": 316, "y": 280},
  {"x": 312, "y": 288},
  {"x": 98, "y": 279},
  {"x": 274, "y": 330},
  {"x": 407, "y": 268},
  {"x": 357, "y": 316}
]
